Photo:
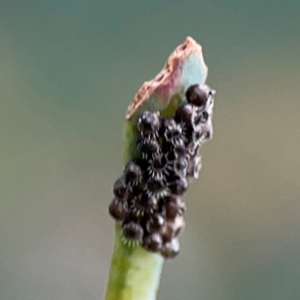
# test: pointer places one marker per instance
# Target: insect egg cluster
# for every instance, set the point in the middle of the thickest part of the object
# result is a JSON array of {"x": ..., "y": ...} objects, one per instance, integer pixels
[{"x": 147, "y": 197}]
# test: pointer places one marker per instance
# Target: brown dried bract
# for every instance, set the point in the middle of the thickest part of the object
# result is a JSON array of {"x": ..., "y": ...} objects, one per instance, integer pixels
[{"x": 165, "y": 84}]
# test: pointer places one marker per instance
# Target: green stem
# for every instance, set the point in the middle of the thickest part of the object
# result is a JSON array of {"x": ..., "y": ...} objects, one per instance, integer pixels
[{"x": 134, "y": 274}]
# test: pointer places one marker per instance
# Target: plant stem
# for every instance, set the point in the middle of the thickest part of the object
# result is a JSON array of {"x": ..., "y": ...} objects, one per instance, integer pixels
[{"x": 135, "y": 273}]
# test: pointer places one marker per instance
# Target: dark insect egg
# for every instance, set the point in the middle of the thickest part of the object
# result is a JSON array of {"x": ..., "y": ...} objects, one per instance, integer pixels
[
  {"x": 170, "y": 249},
  {"x": 197, "y": 135},
  {"x": 166, "y": 147},
  {"x": 131, "y": 217},
  {"x": 172, "y": 228},
  {"x": 184, "y": 114},
  {"x": 133, "y": 173},
  {"x": 149, "y": 123},
  {"x": 120, "y": 188},
  {"x": 172, "y": 131},
  {"x": 171, "y": 177},
  {"x": 167, "y": 232},
  {"x": 178, "y": 225},
  {"x": 118, "y": 209},
  {"x": 172, "y": 151},
  {"x": 168, "y": 151},
  {"x": 155, "y": 222},
  {"x": 157, "y": 166},
  {"x": 180, "y": 149},
  {"x": 174, "y": 206},
  {"x": 192, "y": 149},
  {"x": 204, "y": 117},
  {"x": 142, "y": 163},
  {"x": 133, "y": 193},
  {"x": 148, "y": 147},
  {"x": 171, "y": 156},
  {"x": 188, "y": 134},
  {"x": 145, "y": 203},
  {"x": 198, "y": 95},
  {"x": 178, "y": 186},
  {"x": 180, "y": 165},
  {"x": 155, "y": 187},
  {"x": 207, "y": 135},
  {"x": 197, "y": 116},
  {"x": 132, "y": 231},
  {"x": 194, "y": 167},
  {"x": 153, "y": 242},
  {"x": 207, "y": 130}
]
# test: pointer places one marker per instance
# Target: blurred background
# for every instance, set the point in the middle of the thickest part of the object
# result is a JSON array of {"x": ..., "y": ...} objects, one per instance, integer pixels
[{"x": 69, "y": 69}]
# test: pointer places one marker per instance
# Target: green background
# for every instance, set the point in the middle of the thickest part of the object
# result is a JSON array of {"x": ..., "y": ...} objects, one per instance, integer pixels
[{"x": 69, "y": 69}]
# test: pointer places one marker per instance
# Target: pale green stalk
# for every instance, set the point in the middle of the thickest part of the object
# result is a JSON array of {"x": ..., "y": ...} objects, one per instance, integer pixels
[{"x": 135, "y": 273}]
